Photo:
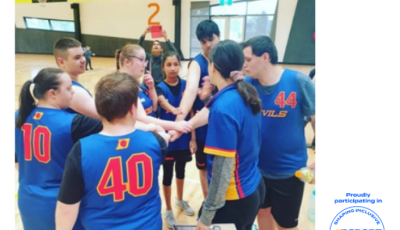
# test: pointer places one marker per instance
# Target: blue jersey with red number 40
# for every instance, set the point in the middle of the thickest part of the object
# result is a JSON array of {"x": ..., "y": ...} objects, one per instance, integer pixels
[{"x": 121, "y": 181}]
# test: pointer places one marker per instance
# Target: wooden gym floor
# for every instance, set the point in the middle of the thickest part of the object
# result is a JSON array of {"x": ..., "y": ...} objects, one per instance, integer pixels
[{"x": 27, "y": 66}]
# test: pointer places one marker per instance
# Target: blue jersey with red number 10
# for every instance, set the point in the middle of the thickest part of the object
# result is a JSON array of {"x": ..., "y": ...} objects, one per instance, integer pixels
[
  {"x": 121, "y": 182},
  {"x": 283, "y": 148},
  {"x": 42, "y": 146}
]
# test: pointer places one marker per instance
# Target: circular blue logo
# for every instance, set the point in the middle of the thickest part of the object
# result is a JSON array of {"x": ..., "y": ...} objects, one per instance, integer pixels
[{"x": 357, "y": 217}]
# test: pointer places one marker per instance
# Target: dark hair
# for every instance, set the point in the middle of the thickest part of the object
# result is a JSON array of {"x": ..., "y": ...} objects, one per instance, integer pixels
[
  {"x": 63, "y": 45},
  {"x": 227, "y": 57},
  {"x": 312, "y": 73},
  {"x": 167, "y": 55},
  {"x": 125, "y": 53},
  {"x": 44, "y": 81},
  {"x": 115, "y": 94},
  {"x": 261, "y": 45},
  {"x": 206, "y": 29}
]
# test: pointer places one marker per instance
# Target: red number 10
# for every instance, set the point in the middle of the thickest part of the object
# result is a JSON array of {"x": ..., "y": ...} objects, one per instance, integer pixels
[
  {"x": 41, "y": 143},
  {"x": 113, "y": 172}
]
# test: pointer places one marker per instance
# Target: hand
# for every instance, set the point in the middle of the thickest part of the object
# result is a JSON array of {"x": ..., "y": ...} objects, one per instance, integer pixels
[
  {"x": 164, "y": 135},
  {"x": 183, "y": 127},
  {"x": 201, "y": 226},
  {"x": 148, "y": 80},
  {"x": 164, "y": 34},
  {"x": 151, "y": 127},
  {"x": 177, "y": 111},
  {"x": 174, "y": 135},
  {"x": 206, "y": 90},
  {"x": 147, "y": 30},
  {"x": 312, "y": 167},
  {"x": 193, "y": 146}
]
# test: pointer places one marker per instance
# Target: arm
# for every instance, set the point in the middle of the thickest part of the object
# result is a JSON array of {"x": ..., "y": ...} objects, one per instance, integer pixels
[
  {"x": 200, "y": 119},
  {"x": 182, "y": 126},
  {"x": 171, "y": 47},
  {"x": 165, "y": 105},
  {"x": 141, "y": 39},
  {"x": 149, "y": 82},
  {"x": 83, "y": 126},
  {"x": 189, "y": 96},
  {"x": 71, "y": 191},
  {"x": 192, "y": 143},
  {"x": 83, "y": 103},
  {"x": 221, "y": 176}
]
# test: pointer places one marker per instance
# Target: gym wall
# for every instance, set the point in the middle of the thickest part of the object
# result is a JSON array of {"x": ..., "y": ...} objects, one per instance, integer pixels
[{"x": 125, "y": 20}]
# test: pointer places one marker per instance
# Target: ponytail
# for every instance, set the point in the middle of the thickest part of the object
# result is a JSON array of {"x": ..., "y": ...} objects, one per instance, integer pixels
[
  {"x": 250, "y": 96},
  {"x": 117, "y": 54},
  {"x": 45, "y": 80},
  {"x": 26, "y": 104}
]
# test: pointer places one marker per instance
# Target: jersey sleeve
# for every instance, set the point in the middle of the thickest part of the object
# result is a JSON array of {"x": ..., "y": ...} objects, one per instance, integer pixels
[
  {"x": 163, "y": 145},
  {"x": 307, "y": 89},
  {"x": 159, "y": 91},
  {"x": 221, "y": 134},
  {"x": 83, "y": 126},
  {"x": 72, "y": 184}
]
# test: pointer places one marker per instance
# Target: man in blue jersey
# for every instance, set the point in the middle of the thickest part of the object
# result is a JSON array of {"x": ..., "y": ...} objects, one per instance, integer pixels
[
  {"x": 70, "y": 58},
  {"x": 207, "y": 33},
  {"x": 111, "y": 178},
  {"x": 287, "y": 97}
]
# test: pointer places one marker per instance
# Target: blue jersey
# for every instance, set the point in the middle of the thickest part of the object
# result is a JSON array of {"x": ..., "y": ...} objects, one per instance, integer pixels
[
  {"x": 120, "y": 176},
  {"x": 69, "y": 110},
  {"x": 183, "y": 142},
  {"x": 198, "y": 105},
  {"x": 42, "y": 146},
  {"x": 146, "y": 101},
  {"x": 234, "y": 132},
  {"x": 283, "y": 148}
]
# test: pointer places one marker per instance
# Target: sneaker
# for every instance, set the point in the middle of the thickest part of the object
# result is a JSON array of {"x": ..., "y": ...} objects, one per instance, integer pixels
[
  {"x": 170, "y": 219},
  {"x": 183, "y": 205}
]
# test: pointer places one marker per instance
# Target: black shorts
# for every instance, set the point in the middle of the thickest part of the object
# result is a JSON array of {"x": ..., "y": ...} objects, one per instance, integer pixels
[
  {"x": 179, "y": 155},
  {"x": 284, "y": 197},
  {"x": 242, "y": 212},
  {"x": 201, "y": 157}
]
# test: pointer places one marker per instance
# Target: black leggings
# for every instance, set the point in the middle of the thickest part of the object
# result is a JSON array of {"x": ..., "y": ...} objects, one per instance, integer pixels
[
  {"x": 241, "y": 212},
  {"x": 179, "y": 158}
]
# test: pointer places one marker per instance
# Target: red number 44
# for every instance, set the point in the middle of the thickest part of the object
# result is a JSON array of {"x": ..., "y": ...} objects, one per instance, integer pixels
[{"x": 291, "y": 100}]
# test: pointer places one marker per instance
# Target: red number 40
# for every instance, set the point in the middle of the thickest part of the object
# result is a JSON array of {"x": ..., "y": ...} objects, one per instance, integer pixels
[
  {"x": 291, "y": 100},
  {"x": 113, "y": 172}
]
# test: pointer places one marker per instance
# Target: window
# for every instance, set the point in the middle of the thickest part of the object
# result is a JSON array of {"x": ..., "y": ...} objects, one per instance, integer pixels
[
  {"x": 49, "y": 24},
  {"x": 35, "y": 23},
  {"x": 258, "y": 25},
  {"x": 262, "y": 7},
  {"x": 237, "y": 8},
  {"x": 66, "y": 26},
  {"x": 199, "y": 11}
]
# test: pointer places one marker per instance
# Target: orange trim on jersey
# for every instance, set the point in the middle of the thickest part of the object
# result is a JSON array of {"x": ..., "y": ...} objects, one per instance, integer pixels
[
  {"x": 123, "y": 143},
  {"x": 237, "y": 179},
  {"x": 149, "y": 110},
  {"x": 219, "y": 152}
]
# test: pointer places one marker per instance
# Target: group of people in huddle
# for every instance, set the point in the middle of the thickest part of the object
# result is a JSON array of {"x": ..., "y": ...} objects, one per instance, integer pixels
[{"x": 89, "y": 163}]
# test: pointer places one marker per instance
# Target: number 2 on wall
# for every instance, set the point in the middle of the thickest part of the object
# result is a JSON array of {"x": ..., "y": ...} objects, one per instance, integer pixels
[{"x": 154, "y": 14}]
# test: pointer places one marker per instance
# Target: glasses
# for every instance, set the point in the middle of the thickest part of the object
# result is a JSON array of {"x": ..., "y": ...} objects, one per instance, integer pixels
[{"x": 143, "y": 61}]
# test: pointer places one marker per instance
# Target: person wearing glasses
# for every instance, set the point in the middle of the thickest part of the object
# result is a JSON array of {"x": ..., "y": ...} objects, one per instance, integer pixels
[
  {"x": 156, "y": 56},
  {"x": 131, "y": 59}
]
